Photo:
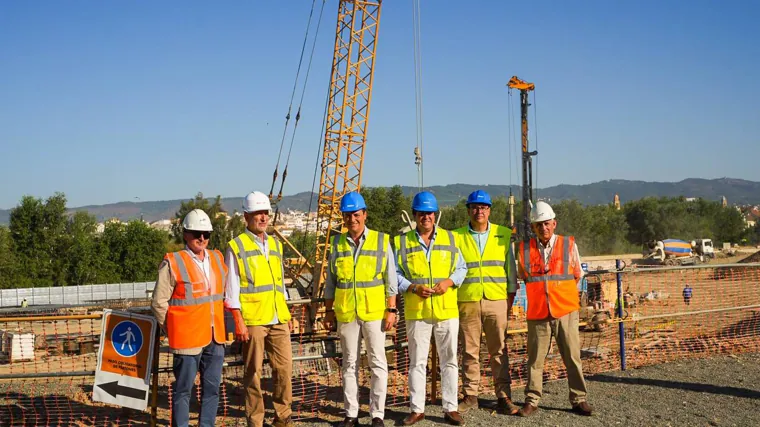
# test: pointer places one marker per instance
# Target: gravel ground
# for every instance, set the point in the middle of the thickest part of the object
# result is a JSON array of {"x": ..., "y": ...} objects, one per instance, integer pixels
[{"x": 722, "y": 391}]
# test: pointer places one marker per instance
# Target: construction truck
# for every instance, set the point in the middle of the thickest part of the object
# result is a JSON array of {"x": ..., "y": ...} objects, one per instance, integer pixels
[{"x": 673, "y": 252}]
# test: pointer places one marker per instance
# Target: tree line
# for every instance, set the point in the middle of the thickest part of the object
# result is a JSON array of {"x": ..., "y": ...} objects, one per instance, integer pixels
[{"x": 44, "y": 246}]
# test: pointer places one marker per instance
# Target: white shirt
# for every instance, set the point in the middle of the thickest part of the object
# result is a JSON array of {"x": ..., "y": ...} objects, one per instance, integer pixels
[
  {"x": 546, "y": 252},
  {"x": 232, "y": 287},
  {"x": 204, "y": 265}
]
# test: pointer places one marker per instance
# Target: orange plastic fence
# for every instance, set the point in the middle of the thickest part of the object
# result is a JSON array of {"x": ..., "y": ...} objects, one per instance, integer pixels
[{"x": 660, "y": 324}]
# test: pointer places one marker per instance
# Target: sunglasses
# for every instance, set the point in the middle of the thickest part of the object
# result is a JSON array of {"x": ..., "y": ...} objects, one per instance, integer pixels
[{"x": 197, "y": 234}]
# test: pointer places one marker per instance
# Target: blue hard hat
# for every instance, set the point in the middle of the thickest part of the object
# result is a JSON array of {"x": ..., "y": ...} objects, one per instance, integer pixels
[
  {"x": 424, "y": 202},
  {"x": 480, "y": 197},
  {"x": 352, "y": 202}
]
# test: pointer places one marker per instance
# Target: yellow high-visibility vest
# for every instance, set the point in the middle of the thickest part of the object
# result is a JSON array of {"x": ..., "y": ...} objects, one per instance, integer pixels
[
  {"x": 360, "y": 288},
  {"x": 262, "y": 292},
  {"x": 416, "y": 268},
  {"x": 486, "y": 275}
]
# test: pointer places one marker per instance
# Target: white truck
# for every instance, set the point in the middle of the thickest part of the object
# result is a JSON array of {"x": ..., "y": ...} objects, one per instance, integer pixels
[{"x": 679, "y": 252}]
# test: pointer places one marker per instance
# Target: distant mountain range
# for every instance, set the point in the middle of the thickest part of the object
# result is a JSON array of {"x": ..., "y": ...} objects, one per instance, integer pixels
[{"x": 737, "y": 191}]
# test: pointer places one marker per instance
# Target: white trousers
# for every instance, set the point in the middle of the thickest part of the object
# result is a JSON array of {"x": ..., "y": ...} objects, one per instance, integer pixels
[
  {"x": 350, "y": 342},
  {"x": 445, "y": 332}
]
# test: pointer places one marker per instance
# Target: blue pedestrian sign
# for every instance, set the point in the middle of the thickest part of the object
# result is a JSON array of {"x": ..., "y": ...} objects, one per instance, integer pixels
[{"x": 127, "y": 338}]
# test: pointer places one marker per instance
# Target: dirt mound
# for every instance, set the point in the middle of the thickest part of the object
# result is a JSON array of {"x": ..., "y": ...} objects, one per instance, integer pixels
[{"x": 750, "y": 259}]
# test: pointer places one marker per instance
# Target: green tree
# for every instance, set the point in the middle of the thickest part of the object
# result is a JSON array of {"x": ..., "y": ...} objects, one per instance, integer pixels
[
  {"x": 85, "y": 259},
  {"x": 384, "y": 208},
  {"x": 134, "y": 249},
  {"x": 9, "y": 271},
  {"x": 36, "y": 228}
]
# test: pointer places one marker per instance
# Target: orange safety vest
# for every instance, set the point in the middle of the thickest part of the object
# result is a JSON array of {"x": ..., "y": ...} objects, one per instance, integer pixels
[
  {"x": 552, "y": 291},
  {"x": 195, "y": 308}
]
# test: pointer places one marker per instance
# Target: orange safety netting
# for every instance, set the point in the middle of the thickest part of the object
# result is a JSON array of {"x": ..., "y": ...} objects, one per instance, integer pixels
[{"x": 721, "y": 317}]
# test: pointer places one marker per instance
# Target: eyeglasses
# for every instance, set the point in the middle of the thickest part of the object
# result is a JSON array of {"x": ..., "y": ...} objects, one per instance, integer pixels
[
  {"x": 198, "y": 234},
  {"x": 424, "y": 213},
  {"x": 479, "y": 208}
]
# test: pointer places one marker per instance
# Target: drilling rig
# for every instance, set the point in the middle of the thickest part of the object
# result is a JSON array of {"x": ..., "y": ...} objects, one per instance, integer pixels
[{"x": 523, "y": 227}]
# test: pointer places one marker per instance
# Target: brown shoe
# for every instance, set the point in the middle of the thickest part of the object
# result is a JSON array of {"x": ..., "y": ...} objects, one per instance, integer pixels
[
  {"x": 287, "y": 422},
  {"x": 504, "y": 406},
  {"x": 527, "y": 410},
  {"x": 453, "y": 418},
  {"x": 583, "y": 408},
  {"x": 469, "y": 402},
  {"x": 413, "y": 418}
]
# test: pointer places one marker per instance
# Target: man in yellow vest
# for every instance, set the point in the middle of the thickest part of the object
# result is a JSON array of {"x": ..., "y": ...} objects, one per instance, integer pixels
[
  {"x": 485, "y": 297},
  {"x": 430, "y": 267},
  {"x": 360, "y": 293},
  {"x": 257, "y": 297},
  {"x": 187, "y": 303},
  {"x": 551, "y": 268}
]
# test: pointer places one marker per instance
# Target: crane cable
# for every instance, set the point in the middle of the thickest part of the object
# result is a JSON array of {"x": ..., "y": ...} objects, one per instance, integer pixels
[
  {"x": 418, "y": 93},
  {"x": 300, "y": 103},
  {"x": 535, "y": 134},
  {"x": 292, "y": 97}
]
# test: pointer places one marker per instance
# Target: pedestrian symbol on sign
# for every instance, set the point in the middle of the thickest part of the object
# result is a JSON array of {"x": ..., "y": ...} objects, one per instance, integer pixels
[{"x": 127, "y": 338}]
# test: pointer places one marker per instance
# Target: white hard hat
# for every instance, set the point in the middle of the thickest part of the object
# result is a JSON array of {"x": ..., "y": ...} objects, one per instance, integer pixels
[
  {"x": 197, "y": 220},
  {"x": 256, "y": 201},
  {"x": 541, "y": 212}
]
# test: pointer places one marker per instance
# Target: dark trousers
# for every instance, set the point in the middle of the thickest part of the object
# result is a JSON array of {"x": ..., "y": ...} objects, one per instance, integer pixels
[{"x": 209, "y": 361}]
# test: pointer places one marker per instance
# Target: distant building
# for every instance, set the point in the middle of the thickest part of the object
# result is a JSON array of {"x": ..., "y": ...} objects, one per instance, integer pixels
[
  {"x": 723, "y": 201},
  {"x": 162, "y": 224},
  {"x": 616, "y": 202}
]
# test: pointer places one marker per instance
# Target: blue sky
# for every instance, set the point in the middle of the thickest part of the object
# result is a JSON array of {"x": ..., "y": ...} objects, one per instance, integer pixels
[{"x": 120, "y": 101}]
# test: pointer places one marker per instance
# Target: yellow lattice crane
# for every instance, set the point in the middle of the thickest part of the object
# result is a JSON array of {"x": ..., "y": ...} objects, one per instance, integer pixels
[
  {"x": 353, "y": 69},
  {"x": 346, "y": 123}
]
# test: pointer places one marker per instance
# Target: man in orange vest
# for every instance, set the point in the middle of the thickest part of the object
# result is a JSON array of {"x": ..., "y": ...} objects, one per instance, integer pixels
[
  {"x": 187, "y": 302},
  {"x": 551, "y": 268}
]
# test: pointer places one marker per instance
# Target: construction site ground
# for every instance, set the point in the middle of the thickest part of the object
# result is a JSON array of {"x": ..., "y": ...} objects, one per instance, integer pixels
[{"x": 719, "y": 391}]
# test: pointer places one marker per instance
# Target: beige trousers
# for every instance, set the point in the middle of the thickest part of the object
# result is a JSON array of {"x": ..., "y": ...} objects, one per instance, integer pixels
[
  {"x": 275, "y": 339},
  {"x": 476, "y": 318},
  {"x": 565, "y": 331},
  {"x": 350, "y": 342}
]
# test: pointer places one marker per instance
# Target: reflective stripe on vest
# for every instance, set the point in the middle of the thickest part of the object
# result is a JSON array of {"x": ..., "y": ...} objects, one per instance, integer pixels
[
  {"x": 360, "y": 288},
  {"x": 419, "y": 271},
  {"x": 262, "y": 291},
  {"x": 552, "y": 290},
  {"x": 486, "y": 275},
  {"x": 195, "y": 307}
]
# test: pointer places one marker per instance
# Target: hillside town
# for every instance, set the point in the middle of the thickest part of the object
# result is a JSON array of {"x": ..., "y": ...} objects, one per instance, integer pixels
[{"x": 287, "y": 222}]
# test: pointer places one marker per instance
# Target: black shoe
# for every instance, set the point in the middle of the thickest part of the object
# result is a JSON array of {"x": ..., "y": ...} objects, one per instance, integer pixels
[
  {"x": 349, "y": 422},
  {"x": 378, "y": 422}
]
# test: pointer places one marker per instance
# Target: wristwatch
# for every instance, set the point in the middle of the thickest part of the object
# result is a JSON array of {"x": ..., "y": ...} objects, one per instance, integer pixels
[{"x": 393, "y": 310}]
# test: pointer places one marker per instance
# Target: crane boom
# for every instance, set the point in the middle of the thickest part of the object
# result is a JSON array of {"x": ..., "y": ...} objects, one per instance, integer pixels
[{"x": 347, "y": 119}]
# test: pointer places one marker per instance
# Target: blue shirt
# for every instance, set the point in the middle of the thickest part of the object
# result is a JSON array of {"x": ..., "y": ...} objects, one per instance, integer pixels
[
  {"x": 687, "y": 292},
  {"x": 460, "y": 272}
]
